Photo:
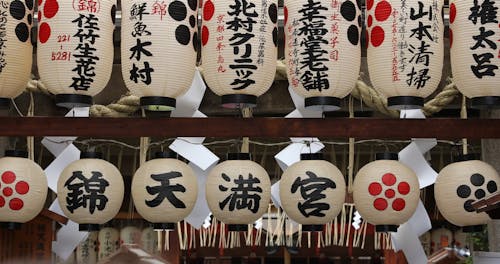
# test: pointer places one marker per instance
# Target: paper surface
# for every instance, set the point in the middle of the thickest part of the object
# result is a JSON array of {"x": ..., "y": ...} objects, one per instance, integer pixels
[
  {"x": 413, "y": 158},
  {"x": 53, "y": 171},
  {"x": 408, "y": 241},
  {"x": 187, "y": 105},
  {"x": 67, "y": 239},
  {"x": 200, "y": 211},
  {"x": 275, "y": 194}
]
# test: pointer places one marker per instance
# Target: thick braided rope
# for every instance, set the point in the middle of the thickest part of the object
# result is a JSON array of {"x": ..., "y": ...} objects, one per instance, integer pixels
[{"x": 129, "y": 104}]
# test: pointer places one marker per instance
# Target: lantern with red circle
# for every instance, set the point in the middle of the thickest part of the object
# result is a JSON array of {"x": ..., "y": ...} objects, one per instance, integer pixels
[
  {"x": 159, "y": 41},
  {"x": 239, "y": 49},
  {"x": 312, "y": 191},
  {"x": 238, "y": 191},
  {"x": 460, "y": 184},
  {"x": 24, "y": 189},
  {"x": 75, "y": 48},
  {"x": 164, "y": 190},
  {"x": 90, "y": 191},
  {"x": 475, "y": 50},
  {"x": 16, "y": 51},
  {"x": 322, "y": 50},
  {"x": 405, "y": 49},
  {"x": 386, "y": 192}
]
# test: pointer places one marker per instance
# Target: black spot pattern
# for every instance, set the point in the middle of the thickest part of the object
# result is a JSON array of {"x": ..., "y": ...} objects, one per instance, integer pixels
[
  {"x": 113, "y": 14},
  {"x": 468, "y": 206},
  {"x": 480, "y": 194},
  {"x": 192, "y": 21},
  {"x": 273, "y": 13},
  {"x": 17, "y": 9},
  {"x": 275, "y": 36},
  {"x": 353, "y": 34},
  {"x": 348, "y": 10},
  {"x": 182, "y": 34},
  {"x": 358, "y": 2},
  {"x": 193, "y": 4},
  {"x": 195, "y": 41},
  {"x": 22, "y": 32},
  {"x": 491, "y": 186},
  {"x": 177, "y": 10},
  {"x": 477, "y": 179},
  {"x": 29, "y": 4},
  {"x": 463, "y": 191},
  {"x": 30, "y": 19}
]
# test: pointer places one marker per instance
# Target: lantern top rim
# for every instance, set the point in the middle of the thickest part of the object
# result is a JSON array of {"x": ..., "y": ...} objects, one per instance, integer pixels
[
  {"x": 466, "y": 157},
  {"x": 311, "y": 156},
  {"x": 91, "y": 155},
  {"x": 15, "y": 153},
  {"x": 165, "y": 155},
  {"x": 239, "y": 156},
  {"x": 386, "y": 156}
]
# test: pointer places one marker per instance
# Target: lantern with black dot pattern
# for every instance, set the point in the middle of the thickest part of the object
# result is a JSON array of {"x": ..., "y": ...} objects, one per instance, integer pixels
[
  {"x": 460, "y": 184},
  {"x": 386, "y": 192}
]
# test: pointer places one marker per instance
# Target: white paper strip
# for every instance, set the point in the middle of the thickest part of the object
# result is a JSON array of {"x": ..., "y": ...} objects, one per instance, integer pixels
[
  {"x": 200, "y": 211},
  {"x": 275, "y": 194},
  {"x": 413, "y": 158},
  {"x": 188, "y": 104},
  {"x": 410, "y": 244},
  {"x": 67, "y": 239},
  {"x": 53, "y": 171}
]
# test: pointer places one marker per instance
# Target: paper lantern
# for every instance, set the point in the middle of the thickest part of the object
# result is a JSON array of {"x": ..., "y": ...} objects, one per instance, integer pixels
[
  {"x": 405, "y": 49},
  {"x": 239, "y": 49},
  {"x": 16, "y": 50},
  {"x": 312, "y": 191},
  {"x": 460, "y": 184},
  {"x": 164, "y": 191},
  {"x": 75, "y": 48},
  {"x": 386, "y": 192},
  {"x": 109, "y": 242},
  {"x": 24, "y": 189},
  {"x": 149, "y": 240},
  {"x": 238, "y": 191},
  {"x": 90, "y": 191},
  {"x": 474, "y": 53},
  {"x": 159, "y": 41},
  {"x": 322, "y": 50},
  {"x": 86, "y": 252},
  {"x": 130, "y": 235}
]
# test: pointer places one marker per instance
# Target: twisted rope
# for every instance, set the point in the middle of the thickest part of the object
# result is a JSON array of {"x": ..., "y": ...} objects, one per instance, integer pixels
[{"x": 129, "y": 104}]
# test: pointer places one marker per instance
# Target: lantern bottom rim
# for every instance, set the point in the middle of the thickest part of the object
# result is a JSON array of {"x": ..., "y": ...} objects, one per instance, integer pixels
[
  {"x": 322, "y": 103},
  {"x": 163, "y": 226},
  {"x": 10, "y": 225},
  {"x": 89, "y": 227},
  {"x": 386, "y": 228},
  {"x": 4, "y": 103},
  {"x": 73, "y": 100},
  {"x": 158, "y": 103},
  {"x": 237, "y": 228},
  {"x": 234, "y": 101},
  {"x": 484, "y": 102},
  {"x": 312, "y": 228},
  {"x": 472, "y": 228},
  {"x": 405, "y": 102}
]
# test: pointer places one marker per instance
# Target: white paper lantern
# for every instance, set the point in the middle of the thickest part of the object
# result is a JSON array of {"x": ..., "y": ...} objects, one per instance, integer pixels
[
  {"x": 149, "y": 240},
  {"x": 460, "y": 184},
  {"x": 16, "y": 18},
  {"x": 164, "y": 191},
  {"x": 130, "y": 235},
  {"x": 109, "y": 242},
  {"x": 86, "y": 252},
  {"x": 239, "y": 49},
  {"x": 23, "y": 186},
  {"x": 322, "y": 50},
  {"x": 475, "y": 51},
  {"x": 405, "y": 49},
  {"x": 90, "y": 191},
  {"x": 75, "y": 48},
  {"x": 159, "y": 41},
  {"x": 386, "y": 192},
  {"x": 238, "y": 191},
  {"x": 312, "y": 191}
]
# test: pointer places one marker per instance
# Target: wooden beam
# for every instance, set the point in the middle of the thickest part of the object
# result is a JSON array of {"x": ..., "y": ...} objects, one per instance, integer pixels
[{"x": 232, "y": 127}]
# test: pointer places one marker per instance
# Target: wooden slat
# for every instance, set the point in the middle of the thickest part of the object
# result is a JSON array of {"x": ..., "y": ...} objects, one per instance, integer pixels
[{"x": 360, "y": 128}]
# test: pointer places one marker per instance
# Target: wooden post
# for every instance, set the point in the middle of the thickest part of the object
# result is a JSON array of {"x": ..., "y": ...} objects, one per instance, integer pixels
[
  {"x": 491, "y": 155},
  {"x": 286, "y": 257}
]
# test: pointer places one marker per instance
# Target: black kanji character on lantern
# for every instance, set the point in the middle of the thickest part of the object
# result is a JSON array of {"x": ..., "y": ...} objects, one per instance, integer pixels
[
  {"x": 140, "y": 29},
  {"x": 421, "y": 13},
  {"x": 138, "y": 10},
  {"x": 143, "y": 74},
  {"x": 165, "y": 190},
  {"x": 310, "y": 11},
  {"x": 237, "y": 22},
  {"x": 243, "y": 196},
  {"x": 420, "y": 54},
  {"x": 483, "y": 37},
  {"x": 85, "y": 192},
  {"x": 419, "y": 78},
  {"x": 139, "y": 49},
  {"x": 484, "y": 66},
  {"x": 311, "y": 190},
  {"x": 87, "y": 26},
  {"x": 487, "y": 12},
  {"x": 421, "y": 31}
]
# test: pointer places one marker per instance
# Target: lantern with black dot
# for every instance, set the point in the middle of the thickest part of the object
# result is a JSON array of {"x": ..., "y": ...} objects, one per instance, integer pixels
[
  {"x": 90, "y": 191},
  {"x": 386, "y": 192},
  {"x": 238, "y": 191},
  {"x": 159, "y": 40},
  {"x": 16, "y": 51},
  {"x": 75, "y": 48},
  {"x": 24, "y": 189},
  {"x": 239, "y": 49},
  {"x": 164, "y": 190},
  {"x": 460, "y": 184},
  {"x": 474, "y": 53},
  {"x": 405, "y": 50},
  {"x": 323, "y": 64},
  {"x": 312, "y": 191}
]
